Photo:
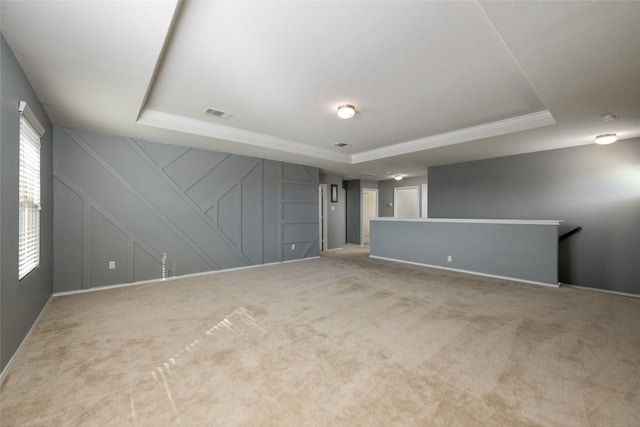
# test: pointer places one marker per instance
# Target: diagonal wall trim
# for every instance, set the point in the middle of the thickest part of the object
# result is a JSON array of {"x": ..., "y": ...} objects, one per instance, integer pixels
[
  {"x": 87, "y": 235},
  {"x": 178, "y": 158},
  {"x": 310, "y": 246},
  {"x": 96, "y": 157},
  {"x": 246, "y": 211},
  {"x": 163, "y": 167},
  {"x": 241, "y": 175},
  {"x": 207, "y": 173},
  {"x": 111, "y": 189},
  {"x": 182, "y": 194},
  {"x": 105, "y": 213},
  {"x": 165, "y": 155},
  {"x": 217, "y": 209},
  {"x": 313, "y": 179}
]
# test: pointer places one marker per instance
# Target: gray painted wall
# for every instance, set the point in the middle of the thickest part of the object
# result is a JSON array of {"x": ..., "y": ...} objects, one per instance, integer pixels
[
  {"x": 524, "y": 252},
  {"x": 354, "y": 194},
  {"x": 596, "y": 187},
  {"x": 336, "y": 214},
  {"x": 20, "y": 301},
  {"x": 385, "y": 192},
  {"x": 129, "y": 201}
]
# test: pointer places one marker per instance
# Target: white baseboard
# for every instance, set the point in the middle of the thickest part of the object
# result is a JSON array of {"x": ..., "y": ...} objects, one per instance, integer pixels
[
  {"x": 334, "y": 249},
  {"x": 604, "y": 291},
  {"x": 24, "y": 341},
  {"x": 184, "y": 276},
  {"x": 513, "y": 279}
]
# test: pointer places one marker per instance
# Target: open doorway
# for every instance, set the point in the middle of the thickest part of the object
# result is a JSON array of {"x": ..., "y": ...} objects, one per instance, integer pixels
[
  {"x": 369, "y": 210},
  {"x": 406, "y": 202}
]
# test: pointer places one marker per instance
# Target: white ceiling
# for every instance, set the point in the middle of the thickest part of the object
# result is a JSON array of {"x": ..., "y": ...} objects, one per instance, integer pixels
[{"x": 433, "y": 82}]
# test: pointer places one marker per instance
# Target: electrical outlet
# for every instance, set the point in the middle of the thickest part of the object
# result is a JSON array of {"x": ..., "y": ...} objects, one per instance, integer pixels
[
  {"x": 293, "y": 246},
  {"x": 449, "y": 258},
  {"x": 112, "y": 265}
]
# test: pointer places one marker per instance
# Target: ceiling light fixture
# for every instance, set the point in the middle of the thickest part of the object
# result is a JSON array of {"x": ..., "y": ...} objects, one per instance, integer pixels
[
  {"x": 607, "y": 117},
  {"x": 346, "y": 111},
  {"x": 398, "y": 177},
  {"x": 607, "y": 138}
]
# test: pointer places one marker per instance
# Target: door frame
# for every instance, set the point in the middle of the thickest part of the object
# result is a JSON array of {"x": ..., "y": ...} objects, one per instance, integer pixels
[
  {"x": 395, "y": 199},
  {"x": 362, "y": 218},
  {"x": 322, "y": 218},
  {"x": 424, "y": 201}
]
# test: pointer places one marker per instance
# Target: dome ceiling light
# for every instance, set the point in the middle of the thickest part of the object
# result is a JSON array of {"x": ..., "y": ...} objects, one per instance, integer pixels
[
  {"x": 607, "y": 138},
  {"x": 346, "y": 111},
  {"x": 398, "y": 177}
]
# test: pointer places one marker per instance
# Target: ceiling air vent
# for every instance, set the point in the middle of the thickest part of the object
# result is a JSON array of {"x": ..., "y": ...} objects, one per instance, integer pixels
[
  {"x": 217, "y": 113},
  {"x": 341, "y": 144}
]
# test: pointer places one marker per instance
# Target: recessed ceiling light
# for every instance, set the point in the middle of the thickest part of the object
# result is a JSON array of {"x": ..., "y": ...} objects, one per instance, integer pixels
[
  {"x": 607, "y": 138},
  {"x": 346, "y": 111},
  {"x": 398, "y": 177}
]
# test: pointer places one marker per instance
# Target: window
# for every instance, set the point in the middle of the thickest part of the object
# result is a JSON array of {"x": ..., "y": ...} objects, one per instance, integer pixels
[{"x": 29, "y": 192}]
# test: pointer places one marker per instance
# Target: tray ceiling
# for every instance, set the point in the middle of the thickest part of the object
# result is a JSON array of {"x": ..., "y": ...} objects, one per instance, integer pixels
[{"x": 432, "y": 82}]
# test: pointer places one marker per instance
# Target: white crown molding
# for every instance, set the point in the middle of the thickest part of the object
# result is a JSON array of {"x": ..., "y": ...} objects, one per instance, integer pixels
[
  {"x": 214, "y": 130},
  {"x": 218, "y": 131},
  {"x": 500, "y": 127}
]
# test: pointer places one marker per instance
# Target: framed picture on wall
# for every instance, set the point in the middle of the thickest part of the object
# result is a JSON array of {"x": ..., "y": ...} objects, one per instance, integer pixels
[{"x": 334, "y": 193}]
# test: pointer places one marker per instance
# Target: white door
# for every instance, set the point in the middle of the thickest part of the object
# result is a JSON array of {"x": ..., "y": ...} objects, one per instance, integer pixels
[
  {"x": 369, "y": 210},
  {"x": 406, "y": 202}
]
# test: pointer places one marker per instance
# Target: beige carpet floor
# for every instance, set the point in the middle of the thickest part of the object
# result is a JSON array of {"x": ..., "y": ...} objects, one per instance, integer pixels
[{"x": 340, "y": 340}]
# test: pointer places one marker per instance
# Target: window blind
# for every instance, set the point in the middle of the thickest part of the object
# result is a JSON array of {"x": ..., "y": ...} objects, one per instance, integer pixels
[{"x": 29, "y": 193}]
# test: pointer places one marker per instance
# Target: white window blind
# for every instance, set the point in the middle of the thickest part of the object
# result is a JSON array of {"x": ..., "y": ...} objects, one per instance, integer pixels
[{"x": 29, "y": 192}]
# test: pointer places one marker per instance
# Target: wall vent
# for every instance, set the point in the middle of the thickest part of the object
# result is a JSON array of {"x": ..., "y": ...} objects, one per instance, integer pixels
[{"x": 217, "y": 113}]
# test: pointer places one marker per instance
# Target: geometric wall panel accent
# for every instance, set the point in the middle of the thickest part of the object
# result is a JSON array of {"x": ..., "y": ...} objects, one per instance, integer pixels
[
  {"x": 297, "y": 173},
  {"x": 229, "y": 208},
  {"x": 191, "y": 166},
  {"x": 68, "y": 234},
  {"x": 251, "y": 215},
  {"x": 108, "y": 246},
  {"x": 130, "y": 201},
  {"x": 161, "y": 154},
  {"x": 299, "y": 193},
  {"x": 294, "y": 211},
  {"x": 146, "y": 267}
]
